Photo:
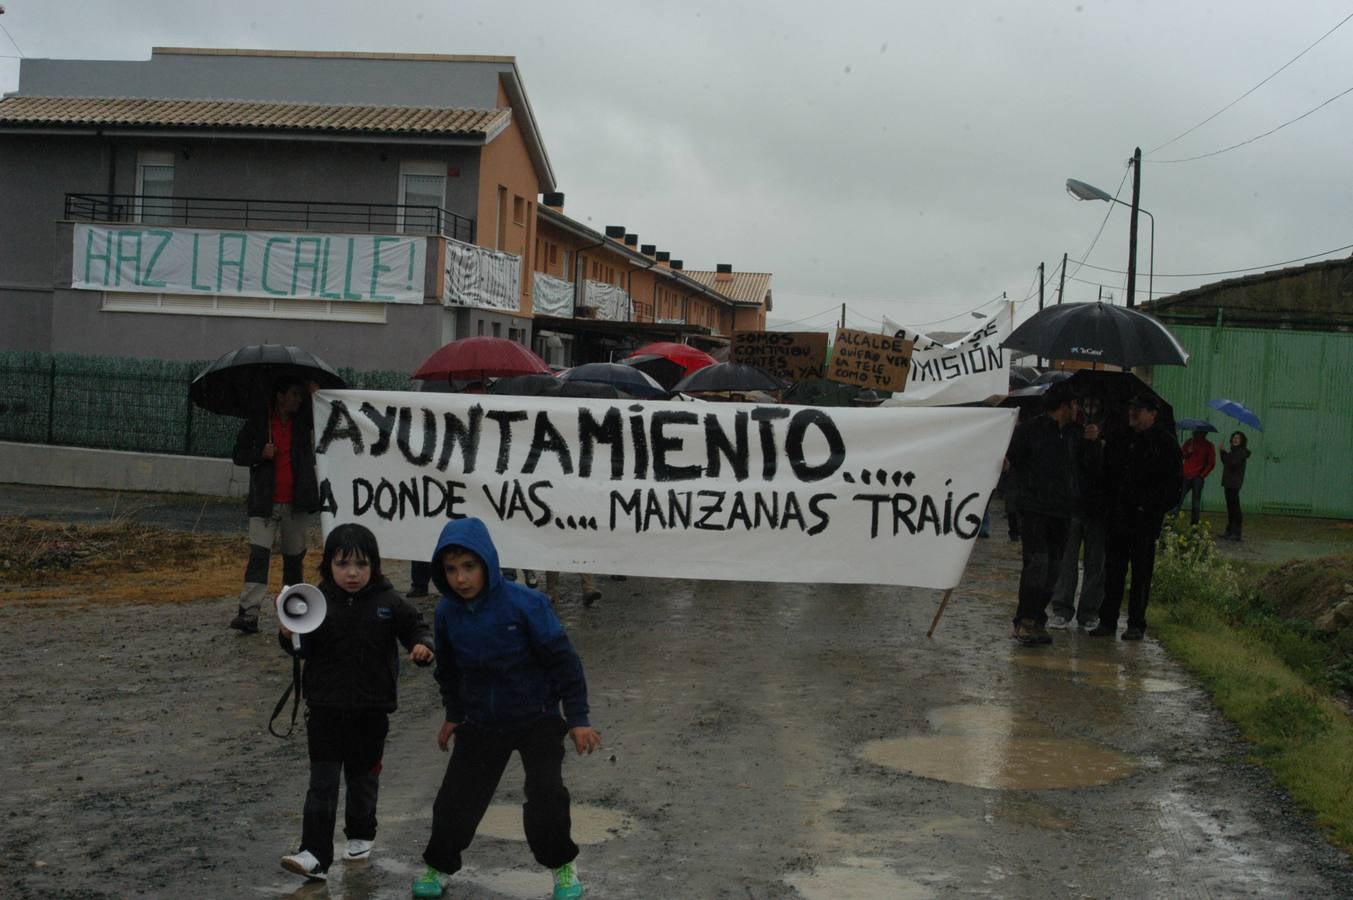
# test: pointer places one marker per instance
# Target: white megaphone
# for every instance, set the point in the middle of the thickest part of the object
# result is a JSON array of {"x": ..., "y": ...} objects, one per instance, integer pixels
[{"x": 301, "y": 608}]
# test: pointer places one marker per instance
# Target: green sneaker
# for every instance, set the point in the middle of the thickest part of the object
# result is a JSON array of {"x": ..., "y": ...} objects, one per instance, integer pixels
[
  {"x": 566, "y": 883},
  {"x": 429, "y": 884}
]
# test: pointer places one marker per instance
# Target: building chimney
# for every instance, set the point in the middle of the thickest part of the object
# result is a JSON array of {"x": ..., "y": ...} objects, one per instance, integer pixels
[
  {"x": 631, "y": 240},
  {"x": 615, "y": 232},
  {"x": 555, "y": 201},
  {"x": 648, "y": 249},
  {"x": 663, "y": 258},
  {"x": 677, "y": 264},
  {"x": 723, "y": 272}
]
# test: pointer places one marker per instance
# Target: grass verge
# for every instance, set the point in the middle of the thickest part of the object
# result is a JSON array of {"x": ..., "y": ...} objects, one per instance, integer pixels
[{"x": 1274, "y": 680}]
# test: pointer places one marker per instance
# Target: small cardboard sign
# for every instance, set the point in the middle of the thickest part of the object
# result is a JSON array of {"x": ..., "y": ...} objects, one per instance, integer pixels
[
  {"x": 878, "y": 362},
  {"x": 788, "y": 355}
]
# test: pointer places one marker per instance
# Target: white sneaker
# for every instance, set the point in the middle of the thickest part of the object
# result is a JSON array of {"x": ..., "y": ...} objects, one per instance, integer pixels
[
  {"x": 304, "y": 863},
  {"x": 358, "y": 849},
  {"x": 1091, "y": 625},
  {"x": 1061, "y": 623}
]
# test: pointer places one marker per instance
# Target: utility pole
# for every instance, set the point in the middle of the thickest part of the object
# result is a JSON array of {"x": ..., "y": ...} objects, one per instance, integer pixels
[
  {"x": 843, "y": 315},
  {"x": 1132, "y": 228},
  {"x": 1038, "y": 360},
  {"x": 1061, "y": 281}
]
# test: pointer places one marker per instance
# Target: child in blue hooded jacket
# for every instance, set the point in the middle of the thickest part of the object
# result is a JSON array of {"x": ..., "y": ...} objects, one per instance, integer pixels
[{"x": 505, "y": 667}]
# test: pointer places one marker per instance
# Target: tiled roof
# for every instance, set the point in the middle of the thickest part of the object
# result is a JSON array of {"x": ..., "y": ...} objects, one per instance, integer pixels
[
  {"x": 127, "y": 111},
  {"x": 746, "y": 287}
]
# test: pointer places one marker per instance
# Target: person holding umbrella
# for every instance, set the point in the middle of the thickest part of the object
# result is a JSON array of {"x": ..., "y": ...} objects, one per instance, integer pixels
[
  {"x": 277, "y": 445},
  {"x": 1232, "y": 477},
  {"x": 1200, "y": 458},
  {"x": 1142, "y": 474}
]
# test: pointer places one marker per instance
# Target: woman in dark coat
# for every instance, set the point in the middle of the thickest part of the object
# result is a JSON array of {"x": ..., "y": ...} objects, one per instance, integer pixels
[{"x": 1232, "y": 477}]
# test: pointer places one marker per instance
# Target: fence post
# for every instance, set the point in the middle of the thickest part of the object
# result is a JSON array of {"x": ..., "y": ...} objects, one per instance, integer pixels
[
  {"x": 188, "y": 430},
  {"x": 51, "y": 401}
]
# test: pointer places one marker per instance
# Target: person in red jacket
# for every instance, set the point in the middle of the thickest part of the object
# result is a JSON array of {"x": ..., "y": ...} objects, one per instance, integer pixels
[{"x": 1199, "y": 459}]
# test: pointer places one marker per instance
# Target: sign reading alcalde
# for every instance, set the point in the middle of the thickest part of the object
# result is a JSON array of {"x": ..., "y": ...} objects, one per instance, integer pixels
[
  {"x": 739, "y": 491},
  {"x": 382, "y": 268},
  {"x": 877, "y": 362}
]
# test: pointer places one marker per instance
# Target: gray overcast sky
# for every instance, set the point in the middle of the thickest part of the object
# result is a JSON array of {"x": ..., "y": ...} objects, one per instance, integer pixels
[{"x": 907, "y": 159}]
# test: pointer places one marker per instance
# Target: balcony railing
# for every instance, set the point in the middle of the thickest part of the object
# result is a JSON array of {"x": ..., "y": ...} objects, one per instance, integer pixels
[{"x": 262, "y": 215}]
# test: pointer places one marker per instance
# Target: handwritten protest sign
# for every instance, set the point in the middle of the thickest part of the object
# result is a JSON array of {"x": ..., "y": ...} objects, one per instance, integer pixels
[
  {"x": 147, "y": 259},
  {"x": 878, "y": 362},
  {"x": 967, "y": 370},
  {"x": 723, "y": 490},
  {"x": 788, "y": 355}
]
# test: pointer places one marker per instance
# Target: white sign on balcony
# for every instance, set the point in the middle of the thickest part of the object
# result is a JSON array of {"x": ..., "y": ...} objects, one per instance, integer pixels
[
  {"x": 475, "y": 276},
  {"x": 380, "y": 268}
]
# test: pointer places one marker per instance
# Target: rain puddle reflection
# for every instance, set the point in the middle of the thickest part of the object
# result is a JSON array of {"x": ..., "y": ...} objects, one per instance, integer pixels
[
  {"x": 990, "y": 747},
  {"x": 861, "y": 878},
  {"x": 591, "y": 824},
  {"x": 1100, "y": 673}
]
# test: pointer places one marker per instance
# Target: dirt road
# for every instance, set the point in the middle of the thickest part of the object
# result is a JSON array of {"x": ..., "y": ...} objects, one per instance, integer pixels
[{"x": 761, "y": 741}]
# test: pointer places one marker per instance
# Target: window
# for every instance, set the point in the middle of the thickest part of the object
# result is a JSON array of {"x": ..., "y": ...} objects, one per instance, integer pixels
[
  {"x": 518, "y": 210},
  {"x": 155, "y": 188},
  {"x": 481, "y": 328},
  {"x": 422, "y": 190},
  {"x": 502, "y": 218},
  {"x": 497, "y": 329}
]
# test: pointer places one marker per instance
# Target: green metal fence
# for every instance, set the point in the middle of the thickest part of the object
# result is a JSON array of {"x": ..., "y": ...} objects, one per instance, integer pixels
[
  {"x": 1299, "y": 383},
  {"x": 120, "y": 403}
]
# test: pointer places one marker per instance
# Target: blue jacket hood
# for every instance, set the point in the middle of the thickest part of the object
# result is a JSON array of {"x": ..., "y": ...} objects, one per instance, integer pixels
[{"x": 473, "y": 535}]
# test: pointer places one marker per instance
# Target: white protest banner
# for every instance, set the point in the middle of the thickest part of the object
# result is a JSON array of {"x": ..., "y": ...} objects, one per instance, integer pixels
[
  {"x": 968, "y": 370},
  {"x": 148, "y": 259},
  {"x": 721, "y": 490}
]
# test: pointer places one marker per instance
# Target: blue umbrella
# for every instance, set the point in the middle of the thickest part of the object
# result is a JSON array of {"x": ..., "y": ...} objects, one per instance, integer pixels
[
  {"x": 1238, "y": 411},
  {"x": 1194, "y": 425}
]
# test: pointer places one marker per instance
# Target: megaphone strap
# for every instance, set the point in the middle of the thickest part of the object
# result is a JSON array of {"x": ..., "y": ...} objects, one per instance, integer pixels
[{"x": 295, "y": 703}]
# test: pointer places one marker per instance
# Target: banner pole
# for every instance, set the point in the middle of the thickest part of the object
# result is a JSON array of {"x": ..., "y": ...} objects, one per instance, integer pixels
[{"x": 939, "y": 612}]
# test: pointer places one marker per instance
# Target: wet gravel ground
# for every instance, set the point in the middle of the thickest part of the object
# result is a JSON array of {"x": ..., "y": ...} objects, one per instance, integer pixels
[{"x": 761, "y": 741}]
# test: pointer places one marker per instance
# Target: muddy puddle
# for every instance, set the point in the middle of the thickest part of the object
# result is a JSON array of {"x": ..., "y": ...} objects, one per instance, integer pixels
[
  {"x": 993, "y": 747},
  {"x": 1101, "y": 673}
]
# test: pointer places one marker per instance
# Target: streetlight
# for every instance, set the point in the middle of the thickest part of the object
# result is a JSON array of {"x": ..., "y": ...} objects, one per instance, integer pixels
[{"x": 1082, "y": 191}]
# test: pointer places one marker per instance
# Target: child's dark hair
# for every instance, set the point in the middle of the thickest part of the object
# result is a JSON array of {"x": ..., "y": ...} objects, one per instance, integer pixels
[
  {"x": 346, "y": 540},
  {"x": 283, "y": 383}
]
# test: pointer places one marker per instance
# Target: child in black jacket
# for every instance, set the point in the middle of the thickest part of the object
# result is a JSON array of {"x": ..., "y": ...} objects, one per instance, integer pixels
[{"x": 349, "y": 685}]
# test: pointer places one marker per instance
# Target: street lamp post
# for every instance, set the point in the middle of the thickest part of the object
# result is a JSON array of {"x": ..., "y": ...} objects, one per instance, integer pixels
[{"x": 1082, "y": 191}]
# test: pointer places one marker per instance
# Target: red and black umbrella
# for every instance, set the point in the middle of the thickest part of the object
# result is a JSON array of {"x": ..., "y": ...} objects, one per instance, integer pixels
[
  {"x": 668, "y": 362},
  {"x": 477, "y": 358}
]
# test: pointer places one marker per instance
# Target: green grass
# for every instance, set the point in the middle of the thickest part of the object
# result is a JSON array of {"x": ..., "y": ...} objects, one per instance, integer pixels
[{"x": 1272, "y": 676}]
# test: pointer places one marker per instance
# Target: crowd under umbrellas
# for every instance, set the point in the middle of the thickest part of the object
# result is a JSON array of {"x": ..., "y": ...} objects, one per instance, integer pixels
[{"x": 1108, "y": 340}]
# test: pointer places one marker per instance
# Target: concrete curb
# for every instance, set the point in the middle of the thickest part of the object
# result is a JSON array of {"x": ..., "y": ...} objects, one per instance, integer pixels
[{"x": 117, "y": 470}]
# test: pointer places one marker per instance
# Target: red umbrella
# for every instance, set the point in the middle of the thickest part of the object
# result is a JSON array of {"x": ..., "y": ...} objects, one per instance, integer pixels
[
  {"x": 688, "y": 357},
  {"x": 478, "y": 358}
]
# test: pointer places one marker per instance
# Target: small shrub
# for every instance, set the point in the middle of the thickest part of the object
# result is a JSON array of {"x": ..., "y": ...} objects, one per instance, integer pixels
[{"x": 1289, "y": 717}]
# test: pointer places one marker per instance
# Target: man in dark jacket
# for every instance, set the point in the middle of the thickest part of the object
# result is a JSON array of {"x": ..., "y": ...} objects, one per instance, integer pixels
[
  {"x": 1142, "y": 476},
  {"x": 278, "y": 447},
  {"x": 1045, "y": 458}
]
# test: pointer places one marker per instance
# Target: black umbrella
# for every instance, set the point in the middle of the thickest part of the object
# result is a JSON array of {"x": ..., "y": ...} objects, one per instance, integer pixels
[
  {"x": 1098, "y": 332},
  {"x": 728, "y": 376},
  {"x": 1113, "y": 390},
  {"x": 627, "y": 379},
  {"x": 240, "y": 382},
  {"x": 661, "y": 369},
  {"x": 1022, "y": 376},
  {"x": 526, "y": 386}
]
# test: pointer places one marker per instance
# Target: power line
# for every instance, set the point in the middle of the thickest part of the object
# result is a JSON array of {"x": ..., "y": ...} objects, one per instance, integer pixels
[
  {"x": 1257, "y": 137},
  {"x": 817, "y": 315},
  {"x": 1276, "y": 265},
  {"x": 11, "y": 39},
  {"x": 1255, "y": 88}
]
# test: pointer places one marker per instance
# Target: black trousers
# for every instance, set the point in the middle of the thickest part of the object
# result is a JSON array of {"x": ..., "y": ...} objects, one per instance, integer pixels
[
  {"x": 1044, "y": 540},
  {"x": 349, "y": 743},
  {"x": 472, "y": 775},
  {"x": 1233, "y": 516},
  {"x": 1134, "y": 549}
]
